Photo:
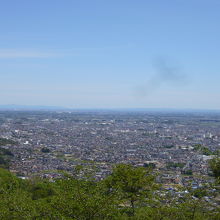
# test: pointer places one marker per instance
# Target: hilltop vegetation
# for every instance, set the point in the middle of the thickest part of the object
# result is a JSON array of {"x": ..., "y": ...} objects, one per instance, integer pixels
[
  {"x": 4, "y": 142},
  {"x": 5, "y": 156},
  {"x": 128, "y": 193}
]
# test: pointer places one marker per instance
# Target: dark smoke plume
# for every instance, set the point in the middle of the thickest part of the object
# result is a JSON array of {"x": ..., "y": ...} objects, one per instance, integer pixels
[{"x": 164, "y": 75}]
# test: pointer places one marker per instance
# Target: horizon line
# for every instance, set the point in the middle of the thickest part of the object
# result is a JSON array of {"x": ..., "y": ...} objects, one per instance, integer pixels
[{"x": 14, "y": 107}]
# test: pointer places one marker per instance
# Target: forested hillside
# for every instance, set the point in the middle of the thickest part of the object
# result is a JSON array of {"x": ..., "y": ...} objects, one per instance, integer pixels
[{"x": 128, "y": 193}]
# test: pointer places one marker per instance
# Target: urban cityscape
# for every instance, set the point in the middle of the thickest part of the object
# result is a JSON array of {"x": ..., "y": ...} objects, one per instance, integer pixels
[
  {"x": 109, "y": 110},
  {"x": 177, "y": 144}
]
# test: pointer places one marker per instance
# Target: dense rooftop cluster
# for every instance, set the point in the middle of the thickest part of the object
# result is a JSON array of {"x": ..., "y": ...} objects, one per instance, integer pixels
[{"x": 178, "y": 144}]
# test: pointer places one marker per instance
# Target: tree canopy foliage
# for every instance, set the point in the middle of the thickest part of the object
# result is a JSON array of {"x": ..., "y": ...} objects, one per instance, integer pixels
[
  {"x": 4, "y": 142},
  {"x": 215, "y": 167},
  {"x": 5, "y": 156},
  {"x": 128, "y": 193}
]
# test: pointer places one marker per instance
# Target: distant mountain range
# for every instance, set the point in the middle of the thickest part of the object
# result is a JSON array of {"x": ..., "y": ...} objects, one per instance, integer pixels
[
  {"x": 31, "y": 107},
  {"x": 59, "y": 108}
]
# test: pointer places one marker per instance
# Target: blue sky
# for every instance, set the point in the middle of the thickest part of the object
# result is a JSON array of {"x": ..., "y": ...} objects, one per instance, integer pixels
[{"x": 110, "y": 54}]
